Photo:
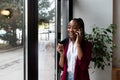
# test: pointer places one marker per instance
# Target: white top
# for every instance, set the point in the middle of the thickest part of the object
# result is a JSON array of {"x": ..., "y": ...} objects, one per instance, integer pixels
[{"x": 71, "y": 56}]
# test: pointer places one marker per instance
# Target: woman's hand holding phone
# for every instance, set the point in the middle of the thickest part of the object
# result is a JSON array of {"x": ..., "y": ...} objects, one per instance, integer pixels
[{"x": 79, "y": 37}]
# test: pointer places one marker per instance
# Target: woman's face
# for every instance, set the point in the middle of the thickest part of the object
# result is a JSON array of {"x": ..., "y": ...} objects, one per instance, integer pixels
[{"x": 72, "y": 29}]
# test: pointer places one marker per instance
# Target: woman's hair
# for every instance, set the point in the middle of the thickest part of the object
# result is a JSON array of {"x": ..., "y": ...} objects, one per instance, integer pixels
[{"x": 81, "y": 25}]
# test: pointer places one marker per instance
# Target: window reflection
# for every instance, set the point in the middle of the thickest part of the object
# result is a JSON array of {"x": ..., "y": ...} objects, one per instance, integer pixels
[
  {"x": 11, "y": 39},
  {"x": 46, "y": 36}
]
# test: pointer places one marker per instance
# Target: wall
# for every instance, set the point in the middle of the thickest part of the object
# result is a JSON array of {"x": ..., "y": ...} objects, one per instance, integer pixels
[
  {"x": 116, "y": 20},
  {"x": 95, "y": 13}
]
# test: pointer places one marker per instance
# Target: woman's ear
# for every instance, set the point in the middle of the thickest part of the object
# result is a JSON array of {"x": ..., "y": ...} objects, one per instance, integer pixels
[{"x": 81, "y": 30}]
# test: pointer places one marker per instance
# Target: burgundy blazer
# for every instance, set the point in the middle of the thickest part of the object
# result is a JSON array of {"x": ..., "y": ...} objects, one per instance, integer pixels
[{"x": 81, "y": 66}]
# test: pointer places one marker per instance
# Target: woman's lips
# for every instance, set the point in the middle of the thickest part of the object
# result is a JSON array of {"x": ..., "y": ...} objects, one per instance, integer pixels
[{"x": 71, "y": 34}]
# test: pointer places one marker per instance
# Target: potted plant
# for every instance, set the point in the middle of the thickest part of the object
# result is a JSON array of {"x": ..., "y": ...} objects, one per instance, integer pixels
[{"x": 102, "y": 46}]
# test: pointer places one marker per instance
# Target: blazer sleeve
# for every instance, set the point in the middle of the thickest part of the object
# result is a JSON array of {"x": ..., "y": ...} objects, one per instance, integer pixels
[{"x": 84, "y": 62}]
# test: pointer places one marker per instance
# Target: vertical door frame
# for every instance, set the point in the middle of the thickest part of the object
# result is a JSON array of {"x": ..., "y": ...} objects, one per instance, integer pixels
[
  {"x": 32, "y": 40},
  {"x": 58, "y": 27},
  {"x": 70, "y": 9},
  {"x": 32, "y": 45}
]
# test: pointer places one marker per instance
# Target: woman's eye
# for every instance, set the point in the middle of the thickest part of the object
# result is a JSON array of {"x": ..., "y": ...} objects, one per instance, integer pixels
[
  {"x": 68, "y": 27},
  {"x": 74, "y": 28}
]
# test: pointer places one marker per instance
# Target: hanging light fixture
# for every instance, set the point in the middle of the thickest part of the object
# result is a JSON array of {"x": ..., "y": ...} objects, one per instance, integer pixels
[{"x": 6, "y": 12}]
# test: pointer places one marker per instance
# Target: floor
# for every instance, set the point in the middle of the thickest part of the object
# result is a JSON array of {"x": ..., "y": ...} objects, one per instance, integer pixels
[{"x": 116, "y": 74}]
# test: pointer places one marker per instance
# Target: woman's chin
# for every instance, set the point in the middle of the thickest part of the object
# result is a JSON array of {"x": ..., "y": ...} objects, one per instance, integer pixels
[{"x": 72, "y": 37}]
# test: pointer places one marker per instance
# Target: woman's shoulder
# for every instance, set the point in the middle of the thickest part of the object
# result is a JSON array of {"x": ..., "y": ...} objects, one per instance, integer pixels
[
  {"x": 88, "y": 47},
  {"x": 88, "y": 43},
  {"x": 64, "y": 41}
]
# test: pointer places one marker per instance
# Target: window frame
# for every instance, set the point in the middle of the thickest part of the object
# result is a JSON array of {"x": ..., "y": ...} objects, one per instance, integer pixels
[
  {"x": 32, "y": 49},
  {"x": 32, "y": 40}
]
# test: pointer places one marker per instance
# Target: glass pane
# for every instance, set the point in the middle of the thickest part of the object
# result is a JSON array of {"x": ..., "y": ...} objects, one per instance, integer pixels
[
  {"x": 11, "y": 40},
  {"x": 46, "y": 36}
]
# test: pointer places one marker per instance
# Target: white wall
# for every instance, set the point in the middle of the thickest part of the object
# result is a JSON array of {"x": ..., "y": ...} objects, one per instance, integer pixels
[
  {"x": 116, "y": 20},
  {"x": 98, "y": 13}
]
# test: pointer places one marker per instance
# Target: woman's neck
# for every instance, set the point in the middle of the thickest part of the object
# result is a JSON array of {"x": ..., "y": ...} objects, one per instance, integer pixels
[{"x": 72, "y": 40}]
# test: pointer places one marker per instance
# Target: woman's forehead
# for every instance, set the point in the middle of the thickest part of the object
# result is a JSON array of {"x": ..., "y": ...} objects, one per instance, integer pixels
[{"x": 73, "y": 22}]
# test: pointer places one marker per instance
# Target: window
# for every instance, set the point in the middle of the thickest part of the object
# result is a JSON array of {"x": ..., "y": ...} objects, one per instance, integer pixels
[
  {"x": 44, "y": 30},
  {"x": 12, "y": 39},
  {"x": 46, "y": 39}
]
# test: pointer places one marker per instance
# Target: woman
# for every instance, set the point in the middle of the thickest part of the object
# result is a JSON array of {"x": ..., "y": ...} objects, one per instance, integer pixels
[{"x": 75, "y": 52}]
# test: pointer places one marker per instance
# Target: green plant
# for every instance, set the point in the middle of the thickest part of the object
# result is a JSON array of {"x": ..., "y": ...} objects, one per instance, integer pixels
[{"x": 102, "y": 45}]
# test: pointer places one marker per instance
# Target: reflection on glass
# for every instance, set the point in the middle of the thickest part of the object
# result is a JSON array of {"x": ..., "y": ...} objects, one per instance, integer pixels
[
  {"x": 46, "y": 36},
  {"x": 11, "y": 40}
]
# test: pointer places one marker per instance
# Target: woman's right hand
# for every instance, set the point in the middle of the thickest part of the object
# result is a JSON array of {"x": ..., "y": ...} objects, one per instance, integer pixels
[{"x": 60, "y": 49}]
